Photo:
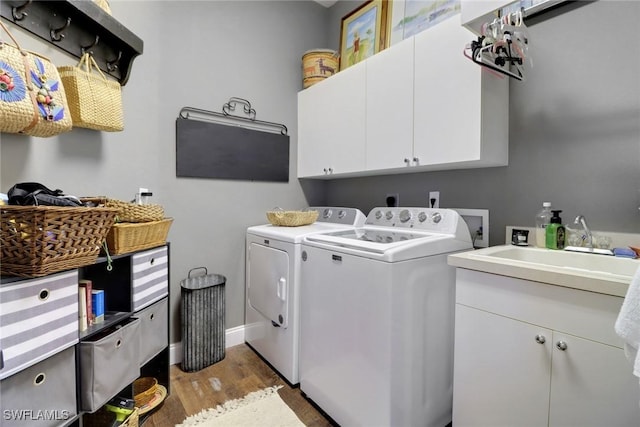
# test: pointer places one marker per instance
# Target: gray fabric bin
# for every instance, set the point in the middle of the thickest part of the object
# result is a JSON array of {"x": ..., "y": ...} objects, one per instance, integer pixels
[
  {"x": 108, "y": 363},
  {"x": 41, "y": 395},
  {"x": 202, "y": 310},
  {"x": 154, "y": 329}
]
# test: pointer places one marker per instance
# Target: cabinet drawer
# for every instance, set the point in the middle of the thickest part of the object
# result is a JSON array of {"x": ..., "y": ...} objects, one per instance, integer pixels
[
  {"x": 105, "y": 363},
  {"x": 41, "y": 395},
  {"x": 38, "y": 318},
  {"x": 150, "y": 277},
  {"x": 154, "y": 329}
]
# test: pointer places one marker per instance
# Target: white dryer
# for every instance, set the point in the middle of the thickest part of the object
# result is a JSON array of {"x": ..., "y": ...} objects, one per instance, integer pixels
[
  {"x": 273, "y": 285},
  {"x": 377, "y": 314}
]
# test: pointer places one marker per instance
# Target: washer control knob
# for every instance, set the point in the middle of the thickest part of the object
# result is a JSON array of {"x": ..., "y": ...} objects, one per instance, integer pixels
[
  {"x": 422, "y": 217},
  {"x": 378, "y": 214},
  {"x": 436, "y": 217},
  {"x": 389, "y": 215},
  {"x": 327, "y": 213},
  {"x": 405, "y": 215},
  {"x": 342, "y": 214}
]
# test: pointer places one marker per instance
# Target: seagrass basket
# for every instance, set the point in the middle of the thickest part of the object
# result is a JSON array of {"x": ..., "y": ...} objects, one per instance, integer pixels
[
  {"x": 130, "y": 237},
  {"x": 291, "y": 218},
  {"x": 144, "y": 389},
  {"x": 40, "y": 240},
  {"x": 130, "y": 212}
]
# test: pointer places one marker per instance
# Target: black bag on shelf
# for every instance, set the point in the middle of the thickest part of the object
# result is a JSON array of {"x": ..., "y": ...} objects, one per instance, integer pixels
[{"x": 36, "y": 194}]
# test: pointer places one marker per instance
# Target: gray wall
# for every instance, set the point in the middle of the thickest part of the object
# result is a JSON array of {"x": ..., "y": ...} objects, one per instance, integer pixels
[
  {"x": 196, "y": 54},
  {"x": 574, "y": 132}
]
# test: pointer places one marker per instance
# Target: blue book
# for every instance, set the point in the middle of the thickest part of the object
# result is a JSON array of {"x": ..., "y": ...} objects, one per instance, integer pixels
[{"x": 97, "y": 305}]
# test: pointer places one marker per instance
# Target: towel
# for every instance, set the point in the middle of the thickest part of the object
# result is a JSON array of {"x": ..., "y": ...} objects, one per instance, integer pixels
[{"x": 627, "y": 324}]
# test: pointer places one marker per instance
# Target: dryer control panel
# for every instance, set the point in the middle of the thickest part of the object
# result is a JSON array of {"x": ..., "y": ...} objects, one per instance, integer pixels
[{"x": 338, "y": 215}]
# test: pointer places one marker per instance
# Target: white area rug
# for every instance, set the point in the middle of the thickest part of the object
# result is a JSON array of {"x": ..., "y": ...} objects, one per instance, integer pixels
[{"x": 262, "y": 408}]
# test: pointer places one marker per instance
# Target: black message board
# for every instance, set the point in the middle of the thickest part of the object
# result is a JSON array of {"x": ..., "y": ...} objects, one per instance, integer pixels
[{"x": 222, "y": 151}]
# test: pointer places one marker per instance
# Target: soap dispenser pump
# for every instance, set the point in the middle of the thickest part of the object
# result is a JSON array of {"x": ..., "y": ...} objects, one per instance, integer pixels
[{"x": 555, "y": 232}]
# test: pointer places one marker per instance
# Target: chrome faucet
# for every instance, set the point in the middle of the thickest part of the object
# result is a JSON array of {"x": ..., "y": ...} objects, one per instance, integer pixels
[{"x": 580, "y": 219}]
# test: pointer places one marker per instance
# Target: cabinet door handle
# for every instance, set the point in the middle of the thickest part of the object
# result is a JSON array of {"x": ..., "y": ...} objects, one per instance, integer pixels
[
  {"x": 540, "y": 339},
  {"x": 330, "y": 170},
  {"x": 561, "y": 345},
  {"x": 325, "y": 170},
  {"x": 416, "y": 160},
  {"x": 406, "y": 160}
]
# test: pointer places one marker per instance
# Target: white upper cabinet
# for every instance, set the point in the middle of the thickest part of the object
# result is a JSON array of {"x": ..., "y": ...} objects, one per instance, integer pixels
[
  {"x": 476, "y": 12},
  {"x": 461, "y": 114},
  {"x": 331, "y": 125},
  {"x": 418, "y": 105},
  {"x": 389, "y": 107}
]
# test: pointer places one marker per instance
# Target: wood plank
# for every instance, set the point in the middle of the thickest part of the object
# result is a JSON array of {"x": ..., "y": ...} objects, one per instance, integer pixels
[{"x": 239, "y": 373}]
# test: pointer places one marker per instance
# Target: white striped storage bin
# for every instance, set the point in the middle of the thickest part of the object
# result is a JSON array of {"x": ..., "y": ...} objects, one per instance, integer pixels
[
  {"x": 150, "y": 271},
  {"x": 38, "y": 318}
]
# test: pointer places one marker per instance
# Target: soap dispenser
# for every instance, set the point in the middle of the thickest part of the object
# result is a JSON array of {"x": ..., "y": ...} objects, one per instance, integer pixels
[{"x": 555, "y": 232}]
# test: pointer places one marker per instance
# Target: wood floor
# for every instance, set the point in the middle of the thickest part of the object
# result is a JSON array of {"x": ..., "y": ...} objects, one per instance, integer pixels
[{"x": 239, "y": 373}]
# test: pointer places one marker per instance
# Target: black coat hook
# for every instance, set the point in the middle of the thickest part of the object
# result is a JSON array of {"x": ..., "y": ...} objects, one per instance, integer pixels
[
  {"x": 113, "y": 64},
  {"x": 19, "y": 13},
  {"x": 85, "y": 49},
  {"x": 56, "y": 33}
]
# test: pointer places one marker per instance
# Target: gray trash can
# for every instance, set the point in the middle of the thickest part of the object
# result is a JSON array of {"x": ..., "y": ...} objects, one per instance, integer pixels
[{"x": 202, "y": 310}]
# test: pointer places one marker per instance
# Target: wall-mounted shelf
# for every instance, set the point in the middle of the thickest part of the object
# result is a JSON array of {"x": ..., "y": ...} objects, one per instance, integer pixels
[{"x": 77, "y": 26}]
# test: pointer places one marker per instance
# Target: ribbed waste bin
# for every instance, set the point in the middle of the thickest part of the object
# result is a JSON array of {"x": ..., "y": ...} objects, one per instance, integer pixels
[{"x": 202, "y": 310}]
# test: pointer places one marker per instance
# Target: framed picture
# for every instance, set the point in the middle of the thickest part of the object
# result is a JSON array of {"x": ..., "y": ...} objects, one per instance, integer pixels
[
  {"x": 409, "y": 17},
  {"x": 364, "y": 32}
]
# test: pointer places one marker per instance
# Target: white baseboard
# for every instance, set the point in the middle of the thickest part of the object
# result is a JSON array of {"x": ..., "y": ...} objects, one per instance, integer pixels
[{"x": 232, "y": 337}]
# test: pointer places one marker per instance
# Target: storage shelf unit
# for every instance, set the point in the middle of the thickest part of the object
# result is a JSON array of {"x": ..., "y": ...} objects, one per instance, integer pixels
[
  {"x": 76, "y": 26},
  {"x": 65, "y": 367}
]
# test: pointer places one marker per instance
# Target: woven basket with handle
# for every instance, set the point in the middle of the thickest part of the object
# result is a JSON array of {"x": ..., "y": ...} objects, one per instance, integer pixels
[{"x": 95, "y": 102}]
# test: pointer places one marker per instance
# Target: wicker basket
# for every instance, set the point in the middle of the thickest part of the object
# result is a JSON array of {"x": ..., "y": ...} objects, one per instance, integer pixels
[
  {"x": 130, "y": 212},
  {"x": 104, "y": 5},
  {"x": 144, "y": 389},
  {"x": 40, "y": 240},
  {"x": 95, "y": 102},
  {"x": 130, "y": 237},
  {"x": 291, "y": 218}
]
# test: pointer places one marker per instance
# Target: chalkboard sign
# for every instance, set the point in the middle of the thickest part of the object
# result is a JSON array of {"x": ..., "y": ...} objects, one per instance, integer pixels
[{"x": 222, "y": 151}]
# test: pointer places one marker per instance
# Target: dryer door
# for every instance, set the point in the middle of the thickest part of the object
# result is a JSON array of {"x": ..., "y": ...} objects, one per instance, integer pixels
[{"x": 268, "y": 283}]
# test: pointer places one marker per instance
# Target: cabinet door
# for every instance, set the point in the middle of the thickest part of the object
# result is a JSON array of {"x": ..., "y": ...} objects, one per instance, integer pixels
[
  {"x": 331, "y": 124},
  {"x": 452, "y": 97},
  {"x": 501, "y": 372},
  {"x": 390, "y": 107},
  {"x": 592, "y": 385}
]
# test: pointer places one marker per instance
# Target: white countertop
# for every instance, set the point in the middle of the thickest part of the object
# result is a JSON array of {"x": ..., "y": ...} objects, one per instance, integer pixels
[{"x": 596, "y": 273}]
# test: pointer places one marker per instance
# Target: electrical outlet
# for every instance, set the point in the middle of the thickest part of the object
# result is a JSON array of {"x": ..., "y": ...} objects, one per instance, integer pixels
[
  {"x": 434, "y": 199},
  {"x": 478, "y": 222},
  {"x": 393, "y": 200}
]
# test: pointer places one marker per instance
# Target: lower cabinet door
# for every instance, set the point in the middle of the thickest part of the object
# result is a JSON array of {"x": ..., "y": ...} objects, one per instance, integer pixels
[
  {"x": 41, "y": 395},
  {"x": 592, "y": 385},
  {"x": 502, "y": 371}
]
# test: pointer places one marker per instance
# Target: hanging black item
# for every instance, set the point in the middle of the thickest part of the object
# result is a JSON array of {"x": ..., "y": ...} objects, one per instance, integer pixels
[{"x": 226, "y": 146}]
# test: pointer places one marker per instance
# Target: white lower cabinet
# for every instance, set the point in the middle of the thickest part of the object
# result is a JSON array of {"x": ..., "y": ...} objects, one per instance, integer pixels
[{"x": 532, "y": 354}]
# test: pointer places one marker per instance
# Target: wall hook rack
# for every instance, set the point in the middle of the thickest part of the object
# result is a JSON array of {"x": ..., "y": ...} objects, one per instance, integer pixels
[
  {"x": 56, "y": 33},
  {"x": 187, "y": 112},
  {"x": 85, "y": 49},
  {"x": 18, "y": 12},
  {"x": 71, "y": 25}
]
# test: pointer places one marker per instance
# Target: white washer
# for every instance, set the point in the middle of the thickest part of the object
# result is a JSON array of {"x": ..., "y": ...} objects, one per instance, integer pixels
[
  {"x": 273, "y": 285},
  {"x": 377, "y": 313}
]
